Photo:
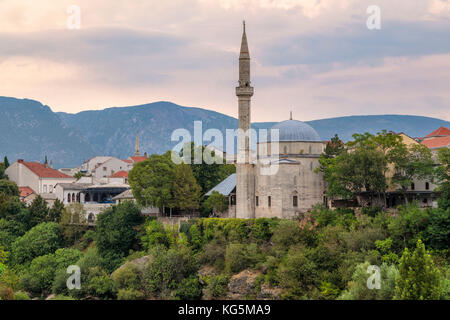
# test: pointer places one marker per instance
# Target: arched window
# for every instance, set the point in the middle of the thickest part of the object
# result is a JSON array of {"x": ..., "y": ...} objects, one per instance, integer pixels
[
  {"x": 68, "y": 197},
  {"x": 413, "y": 186},
  {"x": 78, "y": 197},
  {"x": 73, "y": 197},
  {"x": 427, "y": 186},
  {"x": 91, "y": 218},
  {"x": 295, "y": 201}
]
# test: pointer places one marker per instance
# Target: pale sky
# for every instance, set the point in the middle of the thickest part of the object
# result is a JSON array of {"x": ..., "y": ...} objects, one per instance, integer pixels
[{"x": 315, "y": 57}]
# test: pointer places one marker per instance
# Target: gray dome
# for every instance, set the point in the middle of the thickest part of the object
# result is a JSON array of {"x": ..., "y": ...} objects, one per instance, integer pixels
[{"x": 294, "y": 130}]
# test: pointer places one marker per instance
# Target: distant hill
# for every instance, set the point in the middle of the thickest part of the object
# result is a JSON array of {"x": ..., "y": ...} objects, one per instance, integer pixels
[{"x": 30, "y": 130}]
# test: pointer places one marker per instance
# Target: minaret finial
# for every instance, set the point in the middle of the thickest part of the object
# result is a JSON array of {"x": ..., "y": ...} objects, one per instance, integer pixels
[
  {"x": 243, "y": 22},
  {"x": 290, "y": 117}
]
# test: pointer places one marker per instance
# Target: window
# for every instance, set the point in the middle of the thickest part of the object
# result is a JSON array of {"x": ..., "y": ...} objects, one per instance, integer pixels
[
  {"x": 285, "y": 150},
  {"x": 73, "y": 197},
  {"x": 269, "y": 201},
  {"x": 310, "y": 150},
  {"x": 295, "y": 201},
  {"x": 91, "y": 218},
  {"x": 257, "y": 201},
  {"x": 413, "y": 186},
  {"x": 233, "y": 200},
  {"x": 68, "y": 197},
  {"x": 45, "y": 188},
  {"x": 427, "y": 186},
  {"x": 104, "y": 168}
]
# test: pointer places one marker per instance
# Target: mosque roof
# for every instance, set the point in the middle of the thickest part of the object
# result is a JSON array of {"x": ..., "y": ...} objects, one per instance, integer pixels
[
  {"x": 294, "y": 130},
  {"x": 225, "y": 187}
]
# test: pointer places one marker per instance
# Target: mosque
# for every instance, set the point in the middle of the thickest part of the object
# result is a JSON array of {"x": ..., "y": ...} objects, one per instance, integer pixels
[{"x": 295, "y": 187}]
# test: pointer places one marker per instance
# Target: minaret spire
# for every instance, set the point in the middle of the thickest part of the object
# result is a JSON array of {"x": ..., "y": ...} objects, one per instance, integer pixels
[
  {"x": 245, "y": 180},
  {"x": 136, "y": 147}
]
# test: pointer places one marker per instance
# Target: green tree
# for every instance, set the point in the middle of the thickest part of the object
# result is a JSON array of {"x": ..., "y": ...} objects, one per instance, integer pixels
[
  {"x": 442, "y": 173},
  {"x": 155, "y": 234},
  {"x": 78, "y": 175},
  {"x": 116, "y": 232},
  {"x": 39, "y": 277},
  {"x": 42, "y": 239},
  {"x": 38, "y": 211},
  {"x": 208, "y": 173},
  {"x": 151, "y": 181},
  {"x": 216, "y": 203},
  {"x": 419, "y": 278},
  {"x": 6, "y": 162},
  {"x": 186, "y": 191},
  {"x": 412, "y": 163},
  {"x": 56, "y": 211},
  {"x": 334, "y": 147}
]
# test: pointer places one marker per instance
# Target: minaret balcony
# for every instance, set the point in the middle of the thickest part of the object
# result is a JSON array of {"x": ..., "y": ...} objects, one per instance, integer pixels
[{"x": 244, "y": 91}]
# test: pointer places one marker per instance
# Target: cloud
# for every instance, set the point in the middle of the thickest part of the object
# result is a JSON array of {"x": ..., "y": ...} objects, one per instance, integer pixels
[{"x": 316, "y": 57}]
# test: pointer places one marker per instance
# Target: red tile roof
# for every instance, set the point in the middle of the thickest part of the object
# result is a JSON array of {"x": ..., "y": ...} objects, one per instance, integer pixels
[
  {"x": 442, "y": 131},
  {"x": 138, "y": 159},
  {"x": 128, "y": 161},
  {"x": 437, "y": 142},
  {"x": 42, "y": 171},
  {"x": 25, "y": 191},
  {"x": 120, "y": 174}
]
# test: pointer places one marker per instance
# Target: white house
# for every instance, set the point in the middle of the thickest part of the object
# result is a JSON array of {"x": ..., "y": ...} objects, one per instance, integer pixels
[{"x": 40, "y": 178}]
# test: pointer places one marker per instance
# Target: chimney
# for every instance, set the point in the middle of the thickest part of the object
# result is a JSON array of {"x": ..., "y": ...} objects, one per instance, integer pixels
[{"x": 51, "y": 164}]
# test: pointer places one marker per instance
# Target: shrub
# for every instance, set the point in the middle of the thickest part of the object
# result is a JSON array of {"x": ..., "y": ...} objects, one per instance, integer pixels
[
  {"x": 216, "y": 286},
  {"x": 127, "y": 277},
  {"x": 20, "y": 295},
  {"x": 236, "y": 258},
  {"x": 155, "y": 234},
  {"x": 189, "y": 289},
  {"x": 286, "y": 233},
  {"x": 214, "y": 254},
  {"x": 357, "y": 288},
  {"x": 130, "y": 294}
]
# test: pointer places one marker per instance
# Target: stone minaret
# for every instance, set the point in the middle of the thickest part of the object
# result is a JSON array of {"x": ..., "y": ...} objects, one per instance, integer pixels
[
  {"x": 245, "y": 179},
  {"x": 136, "y": 147}
]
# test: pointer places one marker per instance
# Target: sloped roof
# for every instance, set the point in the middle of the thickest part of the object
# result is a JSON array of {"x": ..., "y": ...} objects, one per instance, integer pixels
[
  {"x": 25, "y": 191},
  {"x": 137, "y": 159},
  {"x": 442, "y": 131},
  {"x": 120, "y": 174},
  {"x": 225, "y": 187},
  {"x": 127, "y": 194},
  {"x": 44, "y": 172},
  {"x": 437, "y": 142}
]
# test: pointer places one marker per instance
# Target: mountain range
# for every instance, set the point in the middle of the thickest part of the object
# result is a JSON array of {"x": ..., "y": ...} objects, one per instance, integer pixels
[{"x": 31, "y": 130}]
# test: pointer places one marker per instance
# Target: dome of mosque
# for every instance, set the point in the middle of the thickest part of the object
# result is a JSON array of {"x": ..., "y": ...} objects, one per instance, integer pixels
[{"x": 294, "y": 130}]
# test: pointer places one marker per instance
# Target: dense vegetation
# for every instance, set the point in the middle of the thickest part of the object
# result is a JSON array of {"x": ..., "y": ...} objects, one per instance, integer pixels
[{"x": 324, "y": 255}]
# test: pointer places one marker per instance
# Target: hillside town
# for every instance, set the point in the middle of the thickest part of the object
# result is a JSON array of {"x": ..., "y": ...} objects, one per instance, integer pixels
[{"x": 103, "y": 181}]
